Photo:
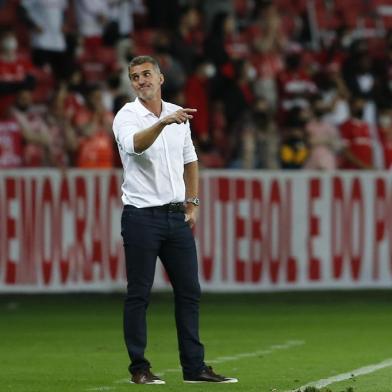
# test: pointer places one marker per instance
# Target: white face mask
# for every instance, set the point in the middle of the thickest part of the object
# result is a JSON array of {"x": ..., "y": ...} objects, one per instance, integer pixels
[
  {"x": 9, "y": 44},
  {"x": 210, "y": 70},
  {"x": 251, "y": 73},
  {"x": 385, "y": 121}
]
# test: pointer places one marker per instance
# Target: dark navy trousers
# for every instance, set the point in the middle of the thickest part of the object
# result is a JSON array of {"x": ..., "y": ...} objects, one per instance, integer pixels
[{"x": 148, "y": 233}]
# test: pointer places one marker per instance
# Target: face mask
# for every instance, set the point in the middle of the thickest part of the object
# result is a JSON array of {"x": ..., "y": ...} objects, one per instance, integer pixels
[
  {"x": 385, "y": 121},
  {"x": 251, "y": 73},
  {"x": 210, "y": 70},
  {"x": 10, "y": 44}
]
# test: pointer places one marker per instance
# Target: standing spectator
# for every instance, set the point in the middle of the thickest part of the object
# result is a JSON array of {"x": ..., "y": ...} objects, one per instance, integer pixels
[
  {"x": 94, "y": 145},
  {"x": 16, "y": 73},
  {"x": 61, "y": 133},
  {"x": 172, "y": 69},
  {"x": 323, "y": 140},
  {"x": 92, "y": 17},
  {"x": 222, "y": 27},
  {"x": 260, "y": 139},
  {"x": 295, "y": 84},
  {"x": 357, "y": 150},
  {"x": 188, "y": 38},
  {"x": 196, "y": 96},
  {"x": 335, "y": 95},
  {"x": 10, "y": 140},
  {"x": 36, "y": 138},
  {"x": 46, "y": 19},
  {"x": 385, "y": 130}
]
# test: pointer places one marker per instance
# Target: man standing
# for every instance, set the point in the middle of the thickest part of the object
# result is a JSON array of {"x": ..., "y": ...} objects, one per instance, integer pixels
[{"x": 160, "y": 205}]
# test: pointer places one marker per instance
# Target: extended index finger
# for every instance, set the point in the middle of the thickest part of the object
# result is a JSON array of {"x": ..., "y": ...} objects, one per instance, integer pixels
[{"x": 189, "y": 110}]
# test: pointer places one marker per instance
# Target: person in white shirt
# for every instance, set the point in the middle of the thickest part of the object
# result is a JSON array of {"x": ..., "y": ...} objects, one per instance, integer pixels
[
  {"x": 46, "y": 18},
  {"x": 160, "y": 204}
]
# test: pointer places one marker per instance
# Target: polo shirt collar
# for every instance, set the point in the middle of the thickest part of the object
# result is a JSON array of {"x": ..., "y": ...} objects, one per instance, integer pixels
[{"x": 143, "y": 111}]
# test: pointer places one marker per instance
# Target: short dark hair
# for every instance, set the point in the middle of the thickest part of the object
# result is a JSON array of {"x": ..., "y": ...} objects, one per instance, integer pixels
[{"x": 138, "y": 60}]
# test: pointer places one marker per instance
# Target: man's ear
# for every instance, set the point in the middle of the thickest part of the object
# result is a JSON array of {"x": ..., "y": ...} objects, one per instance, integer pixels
[{"x": 161, "y": 79}]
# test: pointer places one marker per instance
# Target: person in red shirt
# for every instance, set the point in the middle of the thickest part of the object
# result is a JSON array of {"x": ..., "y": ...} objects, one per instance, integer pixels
[
  {"x": 358, "y": 149},
  {"x": 16, "y": 73},
  {"x": 196, "y": 96},
  {"x": 10, "y": 140},
  {"x": 385, "y": 132},
  {"x": 94, "y": 146}
]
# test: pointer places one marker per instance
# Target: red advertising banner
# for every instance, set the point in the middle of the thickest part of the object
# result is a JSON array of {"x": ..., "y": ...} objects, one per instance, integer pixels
[{"x": 257, "y": 231}]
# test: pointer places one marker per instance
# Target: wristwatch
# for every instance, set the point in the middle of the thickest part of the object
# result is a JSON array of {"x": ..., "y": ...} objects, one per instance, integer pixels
[{"x": 193, "y": 200}]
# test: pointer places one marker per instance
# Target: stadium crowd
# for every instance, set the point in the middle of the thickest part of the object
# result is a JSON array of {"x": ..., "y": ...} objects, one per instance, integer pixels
[{"x": 277, "y": 84}]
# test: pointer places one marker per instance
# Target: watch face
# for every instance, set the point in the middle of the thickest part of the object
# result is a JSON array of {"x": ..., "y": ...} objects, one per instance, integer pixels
[{"x": 194, "y": 200}]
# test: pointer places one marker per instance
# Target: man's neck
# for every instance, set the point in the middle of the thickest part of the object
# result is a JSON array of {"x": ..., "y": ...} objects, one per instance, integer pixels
[{"x": 153, "y": 105}]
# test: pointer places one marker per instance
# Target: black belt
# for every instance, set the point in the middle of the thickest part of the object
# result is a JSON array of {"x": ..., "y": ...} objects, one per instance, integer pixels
[{"x": 171, "y": 207}]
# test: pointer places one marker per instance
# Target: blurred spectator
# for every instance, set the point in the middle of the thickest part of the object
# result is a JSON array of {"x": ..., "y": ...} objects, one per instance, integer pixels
[
  {"x": 16, "y": 73},
  {"x": 36, "y": 139},
  {"x": 197, "y": 96},
  {"x": 222, "y": 28},
  {"x": 385, "y": 130},
  {"x": 358, "y": 72},
  {"x": 260, "y": 139},
  {"x": 335, "y": 95},
  {"x": 94, "y": 144},
  {"x": 296, "y": 86},
  {"x": 357, "y": 150},
  {"x": 188, "y": 38},
  {"x": 323, "y": 140},
  {"x": 92, "y": 17},
  {"x": 46, "y": 19},
  {"x": 293, "y": 149},
  {"x": 236, "y": 91},
  {"x": 10, "y": 140},
  {"x": 266, "y": 32},
  {"x": 171, "y": 68},
  {"x": 60, "y": 130}
]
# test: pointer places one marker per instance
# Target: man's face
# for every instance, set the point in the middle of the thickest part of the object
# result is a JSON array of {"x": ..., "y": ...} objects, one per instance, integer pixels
[{"x": 146, "y": 81}]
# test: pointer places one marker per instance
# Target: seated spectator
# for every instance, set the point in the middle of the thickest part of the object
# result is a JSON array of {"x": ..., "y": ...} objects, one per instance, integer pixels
[
  {"x": 36, "y": 139},
  {"x": 94, "y": 143},
  {"x": 16, "y": 73},
  {"x": 323, "y": 140},
  {"x": 48, "y": 42},
  {"x": 357, "y": 150}
]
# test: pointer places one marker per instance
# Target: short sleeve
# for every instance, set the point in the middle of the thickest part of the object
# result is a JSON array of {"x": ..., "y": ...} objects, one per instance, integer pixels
[{"x": 189, "y": 149}]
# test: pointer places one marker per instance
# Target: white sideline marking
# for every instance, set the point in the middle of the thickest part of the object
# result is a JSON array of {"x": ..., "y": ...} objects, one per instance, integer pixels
[
  {"x": 270, "y": 350},
  {"x": 346, "y": 376},
  {"x": 276, "y": 347}
]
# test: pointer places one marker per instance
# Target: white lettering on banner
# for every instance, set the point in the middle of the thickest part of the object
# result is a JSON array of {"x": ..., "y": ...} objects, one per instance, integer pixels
[{"x": 256, "y": 231}]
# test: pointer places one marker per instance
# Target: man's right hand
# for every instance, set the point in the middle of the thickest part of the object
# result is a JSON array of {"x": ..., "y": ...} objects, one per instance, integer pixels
[{"x": 178, "y": 117}]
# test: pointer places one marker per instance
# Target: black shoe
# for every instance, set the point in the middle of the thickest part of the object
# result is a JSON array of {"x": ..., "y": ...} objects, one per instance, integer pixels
[
  {"x": 208, "y": 375},
  {"x": 144, "y": 376}
]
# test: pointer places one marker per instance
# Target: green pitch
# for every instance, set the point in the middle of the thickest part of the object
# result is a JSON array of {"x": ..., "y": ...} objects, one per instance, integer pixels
[{"x": 271, "y": 342}]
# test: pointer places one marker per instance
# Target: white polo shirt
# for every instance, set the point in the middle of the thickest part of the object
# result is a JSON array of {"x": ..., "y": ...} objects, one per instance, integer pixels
[{"x": 155, "y": 176}]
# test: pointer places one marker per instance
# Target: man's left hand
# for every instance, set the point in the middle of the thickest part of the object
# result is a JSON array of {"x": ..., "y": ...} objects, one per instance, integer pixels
[{"x": 191, "y": 214}]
